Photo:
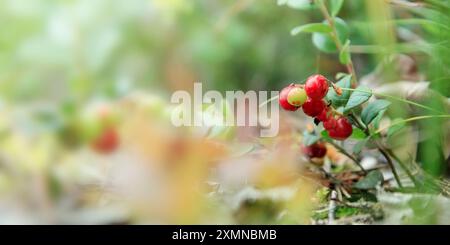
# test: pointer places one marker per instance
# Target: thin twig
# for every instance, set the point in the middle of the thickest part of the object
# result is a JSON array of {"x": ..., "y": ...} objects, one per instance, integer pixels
[
  {"x": 343, "y": 151},
  {"x": 335, "y": 37},
  {"x": 391, "y": 165},
  {"x": 409, "y": 120},
  {"x": 380, "y": 149},
  {"x": 410, "y": 175}
]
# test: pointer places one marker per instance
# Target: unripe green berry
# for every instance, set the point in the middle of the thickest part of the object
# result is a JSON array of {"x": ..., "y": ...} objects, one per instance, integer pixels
[{"x": 297, "y": 96}]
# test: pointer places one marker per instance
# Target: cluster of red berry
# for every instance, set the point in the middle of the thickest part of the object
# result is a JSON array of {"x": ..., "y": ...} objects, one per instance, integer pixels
[{"x": 310, "y": 97}]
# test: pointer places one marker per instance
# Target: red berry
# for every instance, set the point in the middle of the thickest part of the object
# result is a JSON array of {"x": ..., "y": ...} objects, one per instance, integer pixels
[
  {"x": 330, "y": 123},
  {"x": 107, "y": 141},
  {"x": 324, "y": 115},
  {"x": 313, "y": 108},
  {"x": 316, "y": 150},
  {"x": 342, "y": 130},
  {"x": 316, "y": 87},
  {"x": 283, "y": 99}
]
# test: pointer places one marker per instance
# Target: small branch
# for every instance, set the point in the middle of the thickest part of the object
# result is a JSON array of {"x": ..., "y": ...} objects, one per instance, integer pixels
[
  {"x": 403, "y": 166},
  {"x": 335, "y": 37},
  {"x": 387, "y": 153},
  {"x": 391, "y": 165},
  {"x": 380, "y": 149},
  {"x": 343, "y": 151}
]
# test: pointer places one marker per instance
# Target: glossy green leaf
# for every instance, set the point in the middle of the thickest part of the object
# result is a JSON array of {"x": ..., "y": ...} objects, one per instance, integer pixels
[
  {"x": 358, "y": 134},
  {"x": 359, "y": 96},
  {"x": 325, "y": 43},
  {"x": 376, "y": 121},
  {"x": 340, "y": 100},
  {"x": 373, "y": 109}
]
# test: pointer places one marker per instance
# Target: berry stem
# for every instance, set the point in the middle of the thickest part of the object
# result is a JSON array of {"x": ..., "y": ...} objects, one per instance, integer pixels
[
  {"x": 334, "y": 36},
  {"x": 410, "y": 120}
]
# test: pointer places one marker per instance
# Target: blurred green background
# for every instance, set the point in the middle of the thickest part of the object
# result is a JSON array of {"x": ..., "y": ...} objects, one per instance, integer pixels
[
  {"x": 58, "y": 49},
  {"x": 75, "y": 49}
]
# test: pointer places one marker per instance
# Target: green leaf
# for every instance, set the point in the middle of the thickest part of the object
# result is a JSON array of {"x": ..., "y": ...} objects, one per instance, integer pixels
[
  {"x": 325, "y": 135},
  {"x": 373, "y": 109},
  {"x": 344, "y": 55},
  {"x": 359, "y": 96},
  {"x": 311, "y": 28},
  {"x": 358, "y": 134},
  {"x": 324, "y": 41},
  {"x": 309, "y": 139},
  {"x": 376, "y": 121},
  {"x": 335, "y": 6},
  {"x": 359, "y": 146},
  {"x": 372, "y": 179},
  {"x": 340, "y": 100},
  {"x": 399, "y": 125}
]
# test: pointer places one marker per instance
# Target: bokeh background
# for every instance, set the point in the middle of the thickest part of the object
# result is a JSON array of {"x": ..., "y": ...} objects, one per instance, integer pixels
[{"x": 66, "y": 65}]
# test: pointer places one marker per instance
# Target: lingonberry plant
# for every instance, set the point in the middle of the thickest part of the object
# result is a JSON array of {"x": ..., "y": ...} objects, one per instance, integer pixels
[{"x": 340, "y": 109}]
